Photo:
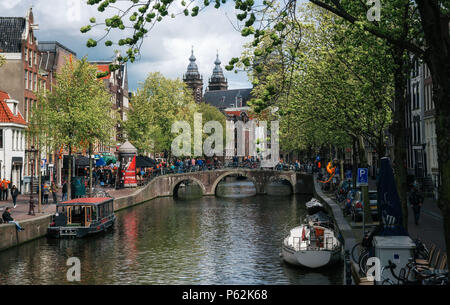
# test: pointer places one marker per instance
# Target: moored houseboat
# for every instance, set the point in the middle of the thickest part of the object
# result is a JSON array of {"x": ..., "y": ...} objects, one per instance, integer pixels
[{"x": 81, "y": 217}]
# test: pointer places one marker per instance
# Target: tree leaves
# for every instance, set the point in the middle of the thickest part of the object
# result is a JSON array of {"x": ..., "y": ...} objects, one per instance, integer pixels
[{"x": 77, "y": 111}]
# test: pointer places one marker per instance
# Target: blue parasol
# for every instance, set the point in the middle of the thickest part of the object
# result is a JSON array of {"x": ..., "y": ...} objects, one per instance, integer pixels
[
  {"x": 389, "y": 202},
  {"x": 100, "y": 162}
]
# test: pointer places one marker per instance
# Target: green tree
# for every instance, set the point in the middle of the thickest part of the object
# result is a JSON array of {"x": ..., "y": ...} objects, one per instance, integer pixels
[
  {"x": 331, "y": 88},
  {"x": 2, "y": 60},
  {"x": 158, "y": 103},
  {"x": 211, "y": 113},
  {"x": 38, "y": 133},
  {"x": 78, "y": 110}
]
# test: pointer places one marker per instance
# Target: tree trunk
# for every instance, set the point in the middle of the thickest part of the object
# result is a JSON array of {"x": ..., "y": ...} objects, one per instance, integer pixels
[
  {"x": 381, "y": 152},
  {"x": 354, "y": 161},
  {"x": 90, "y": 169},
  {"x": 436, "y": 30},
  {"x": 69, "y": 178},
  {"x": 40, "y": 180},
  {"x": 364, "y": 189},
  {"x": 398, "y": 130}
]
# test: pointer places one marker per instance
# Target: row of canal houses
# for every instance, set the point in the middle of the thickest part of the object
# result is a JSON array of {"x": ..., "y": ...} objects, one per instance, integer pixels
[{"x": 31, "y": 65}]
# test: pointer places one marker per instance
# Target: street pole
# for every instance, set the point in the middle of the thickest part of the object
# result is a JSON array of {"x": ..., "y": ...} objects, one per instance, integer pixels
[
  {"x": 40, "y": 184},
  {"x": 31, "y": 208},
  {"x": 32, "y": 158},
  {"x": 364, "y": 214}
]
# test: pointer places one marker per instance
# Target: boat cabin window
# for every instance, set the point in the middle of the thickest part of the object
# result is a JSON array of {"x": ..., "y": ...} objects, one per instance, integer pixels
[
  {"x": 105, "y": 209},
  {"x": 76, "y": 215},
  {"x": 94, "y": 213}
]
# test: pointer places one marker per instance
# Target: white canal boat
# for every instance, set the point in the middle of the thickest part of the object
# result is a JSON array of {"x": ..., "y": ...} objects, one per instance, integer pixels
[{"x": 311, "y": 246}]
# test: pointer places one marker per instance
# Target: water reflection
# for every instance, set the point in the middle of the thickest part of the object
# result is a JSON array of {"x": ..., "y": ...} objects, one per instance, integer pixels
[
  {"x": 187, "y": 190},
  {"x": 210, "y": 240},
  {"x": 235, "y": 187}
]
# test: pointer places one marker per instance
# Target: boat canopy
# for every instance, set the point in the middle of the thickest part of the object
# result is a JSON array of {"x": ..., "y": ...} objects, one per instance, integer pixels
[{"x": 84, "y": 201}]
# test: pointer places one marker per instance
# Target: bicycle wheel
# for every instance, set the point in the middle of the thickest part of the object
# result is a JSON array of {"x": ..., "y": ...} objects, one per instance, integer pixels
[
  {"x": 357, "y": 250},
  {"x": 363, "y": 262}
]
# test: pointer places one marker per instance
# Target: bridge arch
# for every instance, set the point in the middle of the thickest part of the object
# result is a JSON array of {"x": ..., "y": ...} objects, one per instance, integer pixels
[
  {"x": 183, "y": 178},
  {"x": 231, "y": 173},
  {"x": 278, "y": 177}
]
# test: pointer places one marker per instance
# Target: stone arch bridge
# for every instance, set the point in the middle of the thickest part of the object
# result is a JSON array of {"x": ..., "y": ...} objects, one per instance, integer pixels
[{"x": 165, "y": 185}]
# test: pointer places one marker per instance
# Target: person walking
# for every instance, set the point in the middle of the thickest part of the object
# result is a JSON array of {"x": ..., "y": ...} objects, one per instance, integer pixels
[
  {"x": 54, "y": 190},
  {"x": 2, "y": 183},
  {"x": 7, "y": 186},
  {"x": 4, "y": 187},
  {"x": 46, "y": 191},
  {"x": 8, "y": 219},
  {"x": 416, "y": 201},
  {"x": 64, "y": 191},
  {"x": 14, "y": 194}
]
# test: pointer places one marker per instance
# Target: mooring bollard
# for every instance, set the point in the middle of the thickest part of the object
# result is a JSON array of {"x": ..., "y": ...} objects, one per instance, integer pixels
[{"x": 348, "y": 268}]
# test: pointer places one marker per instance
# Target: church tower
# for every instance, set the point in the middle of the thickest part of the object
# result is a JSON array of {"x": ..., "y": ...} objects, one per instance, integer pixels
[
  {"x": 217, "y": 80},
  {"x": 193, "y": 79}
]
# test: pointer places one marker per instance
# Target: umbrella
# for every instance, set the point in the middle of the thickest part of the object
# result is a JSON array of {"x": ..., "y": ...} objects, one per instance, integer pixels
[
  {"x": 143, "y": 161},
  {"x": 109, "y": 158},
  {"x": 100, "y": 162},
  {"x": 389, "y": 202}
]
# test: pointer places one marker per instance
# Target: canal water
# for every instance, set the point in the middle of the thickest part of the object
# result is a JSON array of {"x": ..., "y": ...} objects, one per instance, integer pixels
[{"x": 209, "y": 240}]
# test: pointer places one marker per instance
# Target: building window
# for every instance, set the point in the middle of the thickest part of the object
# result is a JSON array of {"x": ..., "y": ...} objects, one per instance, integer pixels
[
  {"x": 35, "y": 58},
  {"x": 30, "y": 62},
  {"x": 26, "y": 79},
  {"x": 34, "y": 81},
  {"x": 30, "y": 80}
]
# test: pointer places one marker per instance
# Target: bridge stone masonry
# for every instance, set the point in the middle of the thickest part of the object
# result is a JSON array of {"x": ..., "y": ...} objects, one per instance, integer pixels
[{"x": 165, "y": 185}]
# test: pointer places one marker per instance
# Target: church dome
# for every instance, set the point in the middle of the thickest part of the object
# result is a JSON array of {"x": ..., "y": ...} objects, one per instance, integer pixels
[
  {"x": 192, "y": 68},
  {"x": 217, "y": 71}
]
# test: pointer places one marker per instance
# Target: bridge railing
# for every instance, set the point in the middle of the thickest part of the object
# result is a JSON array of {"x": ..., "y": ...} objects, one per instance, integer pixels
[{"x": 208, "y": 167}]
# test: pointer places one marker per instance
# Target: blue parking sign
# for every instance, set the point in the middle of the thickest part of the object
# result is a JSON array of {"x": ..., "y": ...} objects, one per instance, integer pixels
[{"x": 363, "y": 177}]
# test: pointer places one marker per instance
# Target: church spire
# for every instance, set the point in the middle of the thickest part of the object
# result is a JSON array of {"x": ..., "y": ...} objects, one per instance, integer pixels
[
  {"x": 217, "y": 80},
  {"x": 193, "y": 79}
]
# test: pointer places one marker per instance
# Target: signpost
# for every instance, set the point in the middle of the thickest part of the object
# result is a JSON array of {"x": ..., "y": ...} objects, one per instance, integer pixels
[
  {"x": 363, "y": 177},
  {"x": 362, "y": 180}
]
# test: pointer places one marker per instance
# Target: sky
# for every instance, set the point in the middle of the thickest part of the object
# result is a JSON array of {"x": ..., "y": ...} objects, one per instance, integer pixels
[{"x": 166, "y": 49}]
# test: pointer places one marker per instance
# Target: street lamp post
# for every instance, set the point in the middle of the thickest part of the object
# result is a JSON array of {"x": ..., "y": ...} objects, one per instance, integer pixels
[{"x": 31, "y": 153}]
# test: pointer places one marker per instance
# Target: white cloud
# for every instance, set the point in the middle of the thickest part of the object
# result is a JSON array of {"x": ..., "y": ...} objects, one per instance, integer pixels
[{"x": 166, "y": 49}]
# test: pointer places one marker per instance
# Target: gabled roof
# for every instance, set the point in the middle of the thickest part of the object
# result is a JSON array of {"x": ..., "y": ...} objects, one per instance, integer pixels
[
  {"x": 11, "y": 30},
  {"x": 50, "y": 52},
  {"x": 226, "y": 98},
  {"x": 6, "y": 116}
]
